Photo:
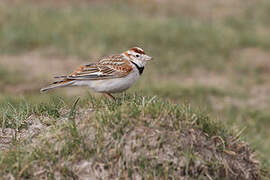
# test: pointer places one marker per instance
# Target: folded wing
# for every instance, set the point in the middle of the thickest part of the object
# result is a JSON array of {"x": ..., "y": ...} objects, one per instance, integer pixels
[{"x": 106, "y": 68}]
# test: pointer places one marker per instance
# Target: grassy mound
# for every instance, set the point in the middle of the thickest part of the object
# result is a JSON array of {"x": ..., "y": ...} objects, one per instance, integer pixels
[{"x": 135, "y": 137}]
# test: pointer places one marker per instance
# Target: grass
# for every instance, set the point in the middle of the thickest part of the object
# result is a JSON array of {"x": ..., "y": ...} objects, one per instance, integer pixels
[
  {"x": 215, "y": 63},
  {"x": 15, "y": 112},
  {"x": 81, "y": 33},
  {"x": 132, "y": 129}
]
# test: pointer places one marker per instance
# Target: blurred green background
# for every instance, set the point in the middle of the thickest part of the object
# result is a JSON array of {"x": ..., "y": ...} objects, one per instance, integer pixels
[{"x": 212, "y": 54}]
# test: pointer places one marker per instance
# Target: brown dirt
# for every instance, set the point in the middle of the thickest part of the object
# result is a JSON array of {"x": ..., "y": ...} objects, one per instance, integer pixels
[
  {"x": 183, "y": 154},
  {"x": 254, "y": 58},
  {"x": 33, "y": 67}
]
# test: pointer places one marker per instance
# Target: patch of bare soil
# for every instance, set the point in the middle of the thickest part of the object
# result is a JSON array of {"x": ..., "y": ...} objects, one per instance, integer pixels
[
  {"x": 184, "y": 154},
  {"x": 252, "y": 67},
  {"x": 258, "y": 98},
  {"x": 33, "y": 67},
  {"x": 200, "y": 77},
  {"x": 188, "y": 154},
  {"x": 254, "y": 58},
  {"x": 10, "y": 135}
]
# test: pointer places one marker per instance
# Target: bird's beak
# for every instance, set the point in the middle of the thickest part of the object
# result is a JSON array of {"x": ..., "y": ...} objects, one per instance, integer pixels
[{"x": 148, "y": 58}]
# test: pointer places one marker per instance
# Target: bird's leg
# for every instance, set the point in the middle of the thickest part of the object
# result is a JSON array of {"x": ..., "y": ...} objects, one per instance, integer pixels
[{"x": 108, "y": 95}]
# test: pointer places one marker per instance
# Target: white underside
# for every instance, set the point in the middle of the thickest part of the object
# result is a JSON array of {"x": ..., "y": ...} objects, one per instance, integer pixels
[{"x": 110, "y": 85}]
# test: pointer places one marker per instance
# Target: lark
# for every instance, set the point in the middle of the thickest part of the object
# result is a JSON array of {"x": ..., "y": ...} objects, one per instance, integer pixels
[{"x": 112, "y": 74}]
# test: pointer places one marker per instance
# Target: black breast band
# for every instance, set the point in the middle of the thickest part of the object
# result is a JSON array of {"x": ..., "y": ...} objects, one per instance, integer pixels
[{"x": 140, "y": 69}]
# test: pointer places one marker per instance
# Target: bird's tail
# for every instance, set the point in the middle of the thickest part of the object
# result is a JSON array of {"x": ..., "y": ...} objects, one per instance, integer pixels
[{"x": 57, "y": 84}]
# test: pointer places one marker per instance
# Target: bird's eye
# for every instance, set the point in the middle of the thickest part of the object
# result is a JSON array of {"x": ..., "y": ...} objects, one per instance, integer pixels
[{"x": 137, "y": 55}]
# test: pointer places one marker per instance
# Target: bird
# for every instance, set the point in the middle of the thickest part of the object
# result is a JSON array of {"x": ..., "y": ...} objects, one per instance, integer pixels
[{"x": 111, "y": 74}]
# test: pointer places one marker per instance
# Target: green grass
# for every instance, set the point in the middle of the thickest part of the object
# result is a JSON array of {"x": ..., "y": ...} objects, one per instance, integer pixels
[
  {"x": 14, "y": 112},
  {"x": 98, "y": 131},
  {"x": 77, "y": 31}
]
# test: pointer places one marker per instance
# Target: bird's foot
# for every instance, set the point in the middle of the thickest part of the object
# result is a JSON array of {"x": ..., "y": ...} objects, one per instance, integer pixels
[{"x": 108, "y": 95}]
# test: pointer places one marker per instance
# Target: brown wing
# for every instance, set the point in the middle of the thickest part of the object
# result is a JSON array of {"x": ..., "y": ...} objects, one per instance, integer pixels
[{"x": 107, "y": 68}]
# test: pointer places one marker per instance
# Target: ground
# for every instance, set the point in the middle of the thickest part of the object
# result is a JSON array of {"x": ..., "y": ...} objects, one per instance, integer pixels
[{"x": 211, "y": 56}]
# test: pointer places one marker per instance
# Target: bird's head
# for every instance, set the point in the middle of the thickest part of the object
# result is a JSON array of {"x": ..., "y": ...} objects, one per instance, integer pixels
[{"x": 138, "y": 56}]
